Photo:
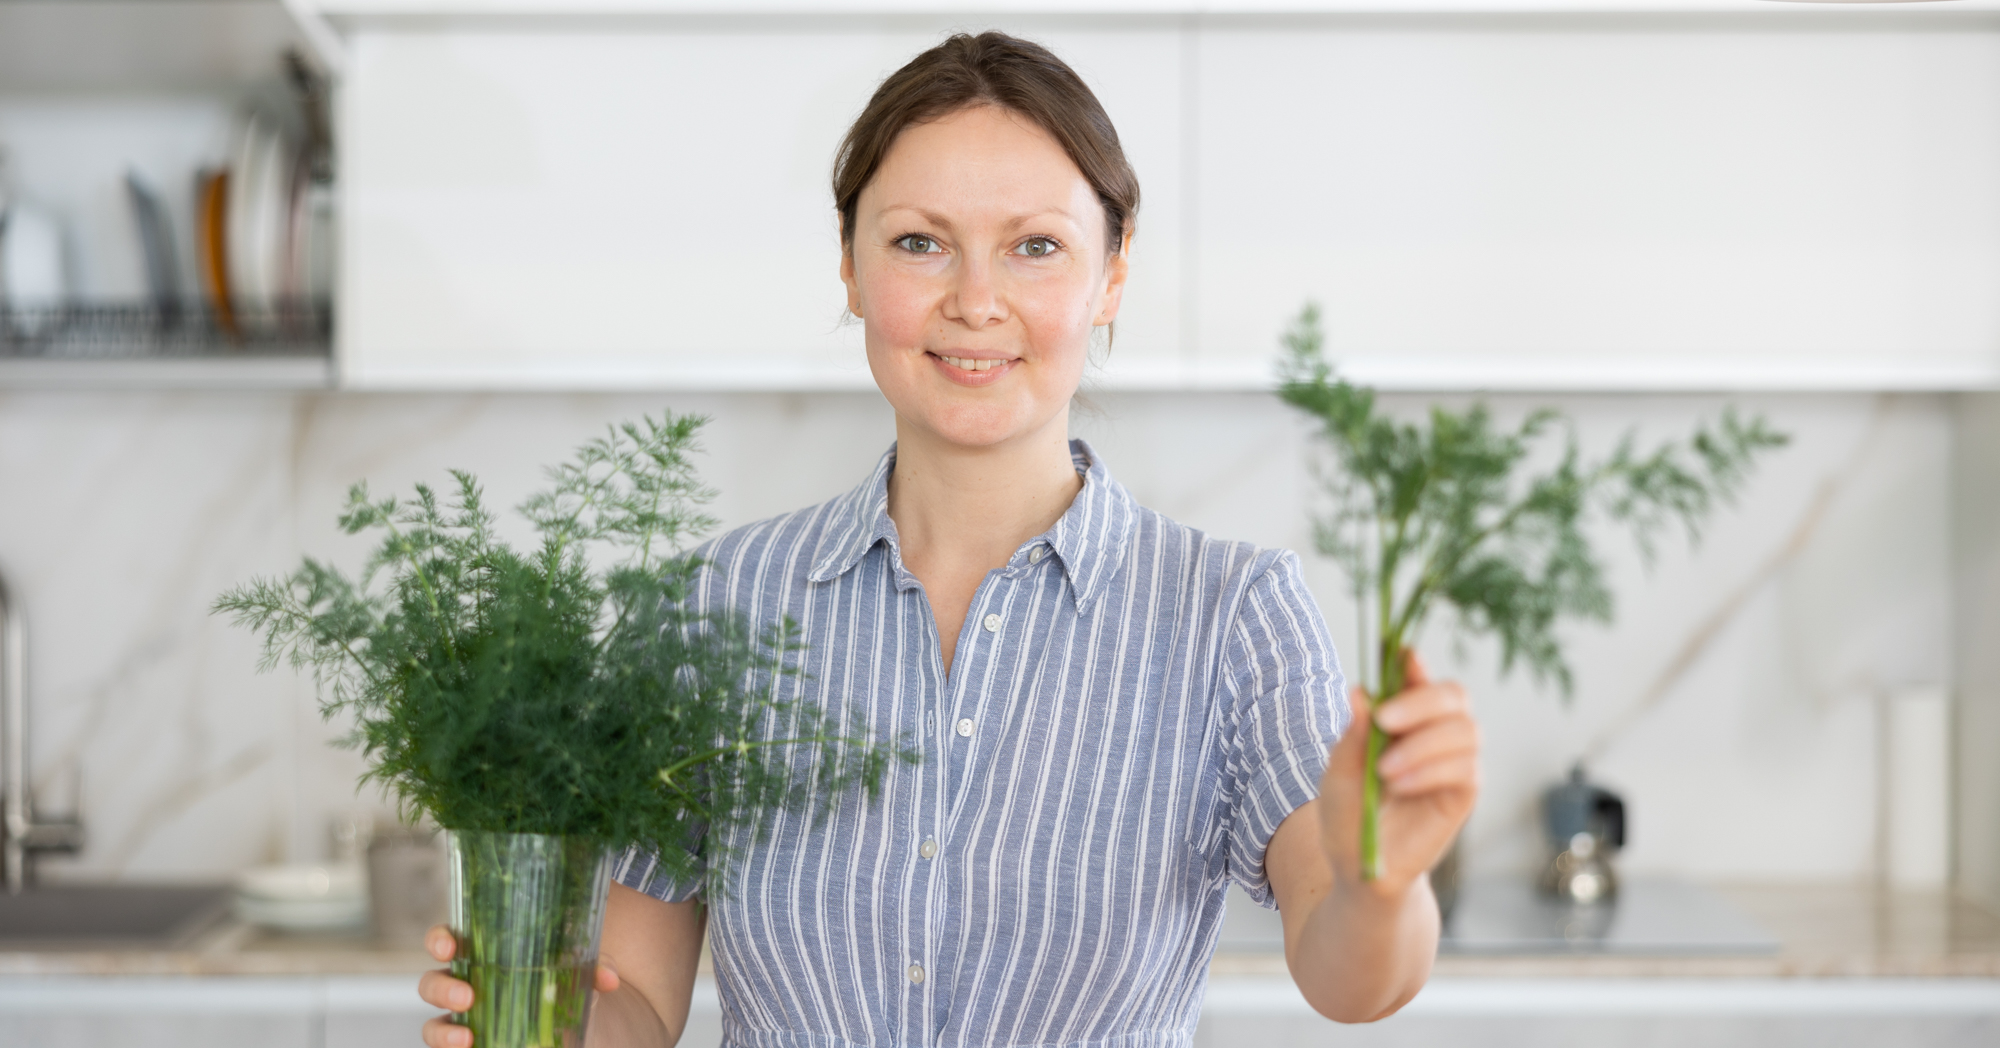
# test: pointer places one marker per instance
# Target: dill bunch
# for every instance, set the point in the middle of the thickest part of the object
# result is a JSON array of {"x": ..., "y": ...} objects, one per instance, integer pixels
[
  {"x": 1433, "y": 514},
  {"x": 522, "y": 692}
]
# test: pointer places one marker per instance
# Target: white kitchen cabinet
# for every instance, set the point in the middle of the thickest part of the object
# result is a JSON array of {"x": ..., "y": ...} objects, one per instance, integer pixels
[
  {"x": 598, "y": 208},
  {"x": 1606, "y": 203},
  {"x": 633, "y": 195}
]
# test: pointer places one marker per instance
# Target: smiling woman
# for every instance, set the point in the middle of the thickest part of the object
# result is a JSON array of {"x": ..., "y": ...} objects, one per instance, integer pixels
[{"x": 1118, "y": 715}]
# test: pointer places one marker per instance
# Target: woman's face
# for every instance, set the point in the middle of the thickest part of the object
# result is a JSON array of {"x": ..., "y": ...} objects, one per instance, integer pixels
[{"x": 979, "y": 266}]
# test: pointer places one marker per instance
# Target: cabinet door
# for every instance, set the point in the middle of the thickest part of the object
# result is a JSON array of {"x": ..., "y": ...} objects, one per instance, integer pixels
[
  {"x": 1612, "y": 203},
  {"x": 550, "y": 209},
  {"x": 633, "y": 205}
]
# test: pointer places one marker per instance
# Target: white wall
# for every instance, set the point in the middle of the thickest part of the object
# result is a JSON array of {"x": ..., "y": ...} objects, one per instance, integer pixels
[
  {"x": 125, "y": 514},
  {"x": 1976, "y": 578}
]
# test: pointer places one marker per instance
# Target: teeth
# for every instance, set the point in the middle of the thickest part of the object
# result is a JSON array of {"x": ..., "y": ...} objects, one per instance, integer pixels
[{"x": 971, "y": 365}]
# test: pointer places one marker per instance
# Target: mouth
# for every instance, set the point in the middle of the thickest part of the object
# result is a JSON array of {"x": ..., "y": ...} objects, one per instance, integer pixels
[{"x": 973, "y": 371}]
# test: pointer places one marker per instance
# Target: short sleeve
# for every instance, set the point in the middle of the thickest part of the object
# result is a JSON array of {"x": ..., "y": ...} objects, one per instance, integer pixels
[
  {"x": 1288, "y": 706},
  {"x": 640, "y": 870}
]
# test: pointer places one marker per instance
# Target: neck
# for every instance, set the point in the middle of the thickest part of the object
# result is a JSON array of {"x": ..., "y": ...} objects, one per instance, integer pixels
[{"x": 963, "y": 506}]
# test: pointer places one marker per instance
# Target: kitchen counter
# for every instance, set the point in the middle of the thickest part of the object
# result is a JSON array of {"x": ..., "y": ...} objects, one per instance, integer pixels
[
  {"x": 1823, "y": 932},
  {"x": 230, "y": 948}
]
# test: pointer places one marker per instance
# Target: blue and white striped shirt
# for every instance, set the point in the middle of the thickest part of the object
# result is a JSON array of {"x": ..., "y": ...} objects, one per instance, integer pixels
[{"x": 1132, "y": 710}]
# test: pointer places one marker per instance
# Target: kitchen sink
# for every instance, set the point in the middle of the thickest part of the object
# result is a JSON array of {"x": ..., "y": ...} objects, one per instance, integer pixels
[{"x": 100, "y": 916}]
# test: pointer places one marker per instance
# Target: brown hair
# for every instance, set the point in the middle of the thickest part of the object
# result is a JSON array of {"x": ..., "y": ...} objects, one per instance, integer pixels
[{"x": 998, "y": 70}]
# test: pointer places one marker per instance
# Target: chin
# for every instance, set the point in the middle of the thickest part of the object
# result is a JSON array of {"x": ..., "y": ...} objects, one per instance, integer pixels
[{"x": 981, "y": 425}]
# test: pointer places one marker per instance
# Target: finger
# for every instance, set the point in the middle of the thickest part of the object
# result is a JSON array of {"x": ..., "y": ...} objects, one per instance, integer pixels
[
  {"x": 1417, "y": 706},
  {"x": 1415, "y": 673},
  {"x": 440, "y": 990},
  {"x": 443, "y": 1033},
  {"x": 441, "y": 943},
  {"x": 1438, "y": 776},
  {"x": 607, "y": 978},
  {"x": 1446, "y": 737},
  {"x": 1350, "y": 752}
]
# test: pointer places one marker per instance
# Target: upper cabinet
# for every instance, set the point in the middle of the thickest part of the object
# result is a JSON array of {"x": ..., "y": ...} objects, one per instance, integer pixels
[
  {"x": 1710, "y": 195},
  {"x": 1604, "y": 204},
  {"x": 598, "y": 207}
]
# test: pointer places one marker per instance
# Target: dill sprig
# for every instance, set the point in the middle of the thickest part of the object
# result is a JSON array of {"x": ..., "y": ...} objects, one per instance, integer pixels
[
  {"x": 524, "y": 693},
  {"x": 1433, "y": 514}
]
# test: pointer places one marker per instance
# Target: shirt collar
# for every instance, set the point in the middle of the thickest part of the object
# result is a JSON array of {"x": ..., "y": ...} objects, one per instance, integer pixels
[{"x": 1089, "y": 538}]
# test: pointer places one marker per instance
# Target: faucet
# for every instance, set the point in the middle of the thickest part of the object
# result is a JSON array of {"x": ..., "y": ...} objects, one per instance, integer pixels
[{"x": 24, "y": 836}]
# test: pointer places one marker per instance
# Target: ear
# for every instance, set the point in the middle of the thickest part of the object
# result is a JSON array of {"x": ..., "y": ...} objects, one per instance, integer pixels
[
  {"x": 1116, "y": 269},
  {"x": 847, "y": 270},
  {"x": 847, "y": 277}
]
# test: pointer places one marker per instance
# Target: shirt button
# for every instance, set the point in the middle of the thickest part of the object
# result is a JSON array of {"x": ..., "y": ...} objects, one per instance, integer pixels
[
  {"x": 917, "y": 974},
  {"x": 992, "y": 623},
  {"x": 928, "y": 848},
  {"x": 1035, "y": 555},
  {"x": 965, "y": 728}
]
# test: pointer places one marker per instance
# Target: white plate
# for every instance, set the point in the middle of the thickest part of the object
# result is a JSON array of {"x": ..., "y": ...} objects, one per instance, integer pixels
[
  {"x": 302, "y": 915},
  {"x": 238, "y": 243},
  {"x": 303, "y": 898},
  {"x": 271, "y": 207},
  {"x": 259, "y": 214},
  {"x": 303, "y": 883}
]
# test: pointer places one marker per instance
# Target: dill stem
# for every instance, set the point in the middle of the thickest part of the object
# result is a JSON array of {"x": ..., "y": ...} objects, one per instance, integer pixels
[{"x": 1388, "y": 684}]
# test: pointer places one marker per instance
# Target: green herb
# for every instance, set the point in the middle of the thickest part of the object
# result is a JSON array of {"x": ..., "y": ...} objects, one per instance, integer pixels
[
  {"x": 525, "y": 693},
  {"x": 1424, "y": 515}
]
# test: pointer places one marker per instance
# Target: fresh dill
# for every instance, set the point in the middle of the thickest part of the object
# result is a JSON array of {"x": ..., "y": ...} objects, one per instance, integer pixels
[
  {"x": 525, "y": 693},
  {"x": 1431, "y": 514}
]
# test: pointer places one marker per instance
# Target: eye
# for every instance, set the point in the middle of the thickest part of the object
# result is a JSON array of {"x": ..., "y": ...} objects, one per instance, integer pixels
[
  {"x": 917, "y": 243},
  {"x": 1038, "y": 247}
]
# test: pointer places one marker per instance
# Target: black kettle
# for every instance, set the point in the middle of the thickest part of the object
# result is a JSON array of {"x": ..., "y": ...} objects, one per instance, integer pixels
[{"x": 1586, "y": 828}]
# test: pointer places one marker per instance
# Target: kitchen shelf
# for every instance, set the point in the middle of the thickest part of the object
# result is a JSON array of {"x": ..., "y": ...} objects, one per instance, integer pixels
[{"x": 123, "y": 345}]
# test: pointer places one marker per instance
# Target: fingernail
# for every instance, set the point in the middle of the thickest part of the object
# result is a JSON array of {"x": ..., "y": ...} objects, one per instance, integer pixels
[{"x": 461, "y": 1000}]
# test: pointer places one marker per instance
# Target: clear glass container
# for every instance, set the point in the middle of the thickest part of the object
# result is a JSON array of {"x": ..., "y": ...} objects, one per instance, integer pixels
[{"x": 527, "y": 910}]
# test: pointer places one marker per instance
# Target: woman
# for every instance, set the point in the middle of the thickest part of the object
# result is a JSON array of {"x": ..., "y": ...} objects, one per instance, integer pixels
[{"x": 1118, "y": 715}]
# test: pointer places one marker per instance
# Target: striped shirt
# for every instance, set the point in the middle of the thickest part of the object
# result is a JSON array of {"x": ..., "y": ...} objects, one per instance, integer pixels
[{"x": 1132, "y": 709}]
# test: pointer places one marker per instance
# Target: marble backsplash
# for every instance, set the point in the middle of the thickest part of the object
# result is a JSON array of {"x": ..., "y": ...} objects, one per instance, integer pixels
[{"x": 1734, "y": 703}]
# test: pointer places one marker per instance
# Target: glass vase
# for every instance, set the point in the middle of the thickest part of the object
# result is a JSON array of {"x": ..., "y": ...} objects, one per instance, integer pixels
[{"x": 527, "y": 910}]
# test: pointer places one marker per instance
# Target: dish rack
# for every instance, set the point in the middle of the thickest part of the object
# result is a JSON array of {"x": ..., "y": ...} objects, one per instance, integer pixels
[{"x": 194, "y": 329}]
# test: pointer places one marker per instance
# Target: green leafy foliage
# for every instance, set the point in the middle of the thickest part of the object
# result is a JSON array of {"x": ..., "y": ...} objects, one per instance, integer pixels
[
  {"x": 1430, "y": 514},
  {"x": 524, "y": 693}
]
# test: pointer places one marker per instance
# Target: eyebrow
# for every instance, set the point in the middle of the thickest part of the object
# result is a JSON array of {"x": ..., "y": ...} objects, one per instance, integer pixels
[{"x": 938, "y": 219}]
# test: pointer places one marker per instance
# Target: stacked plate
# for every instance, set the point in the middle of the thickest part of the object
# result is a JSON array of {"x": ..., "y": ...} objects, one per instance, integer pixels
[
  {"x": 265, "y": 228},
  {"x": 303, "y": 898}
]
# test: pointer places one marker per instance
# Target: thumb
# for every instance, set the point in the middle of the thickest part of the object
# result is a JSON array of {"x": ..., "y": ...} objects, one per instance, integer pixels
[
  {"x": 1350, "y": 753},
  {"x": 607, "y": 977},
  {"x": 1415, "y": 673}
]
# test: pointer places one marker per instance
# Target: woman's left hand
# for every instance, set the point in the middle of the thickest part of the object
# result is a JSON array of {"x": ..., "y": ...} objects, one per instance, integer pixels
[{"x": 1430, "y": 777}]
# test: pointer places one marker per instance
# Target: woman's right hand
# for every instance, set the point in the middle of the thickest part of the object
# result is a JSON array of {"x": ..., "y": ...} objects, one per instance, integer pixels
[{"x": 440, "y": 990}]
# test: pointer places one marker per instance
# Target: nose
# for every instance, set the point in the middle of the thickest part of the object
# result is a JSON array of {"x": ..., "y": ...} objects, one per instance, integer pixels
[{"x": 975, "y": 299}]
